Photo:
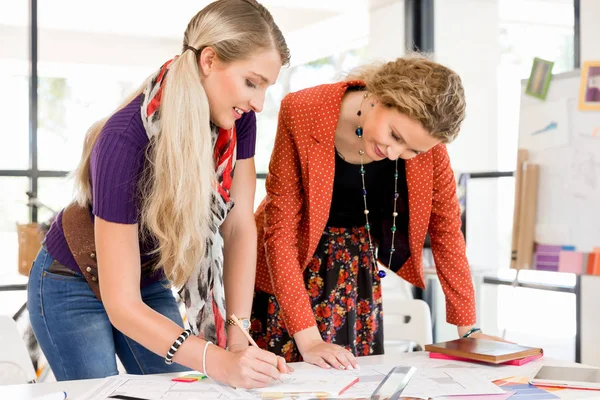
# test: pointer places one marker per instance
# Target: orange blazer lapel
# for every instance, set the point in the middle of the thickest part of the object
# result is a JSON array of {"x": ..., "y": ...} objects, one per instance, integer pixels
[
  {"x": 321, "y": 164},
  {"x": 419, "y": 178}
]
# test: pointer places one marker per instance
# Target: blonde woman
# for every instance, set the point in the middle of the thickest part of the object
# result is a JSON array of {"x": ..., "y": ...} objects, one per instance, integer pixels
[
  {"x": 357, "y": 166},
  {"x": 156, "y": 178}
]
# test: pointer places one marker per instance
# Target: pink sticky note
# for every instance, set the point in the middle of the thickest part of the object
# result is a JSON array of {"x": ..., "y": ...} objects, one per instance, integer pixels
[
  {"x": 570, "y": 261},
  {"x": 184, "y": 379}
]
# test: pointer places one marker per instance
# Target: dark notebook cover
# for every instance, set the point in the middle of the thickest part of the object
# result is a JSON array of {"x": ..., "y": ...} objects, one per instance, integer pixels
[{"x": 483, "y": 350}]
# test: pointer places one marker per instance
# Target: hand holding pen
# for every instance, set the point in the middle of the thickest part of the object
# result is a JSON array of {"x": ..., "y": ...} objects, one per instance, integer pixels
[{"x": 281, "y": 364}]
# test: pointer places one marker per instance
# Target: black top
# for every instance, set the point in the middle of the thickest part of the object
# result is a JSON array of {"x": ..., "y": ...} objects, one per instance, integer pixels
[{"x": 347, "y": 204}]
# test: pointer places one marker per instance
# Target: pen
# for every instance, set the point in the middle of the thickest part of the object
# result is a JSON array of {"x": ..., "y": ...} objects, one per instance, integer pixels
[
  {"x": 124, "y": 397},
  {"x": 53, "y": 396},
  {"x": 239, "y": 325},
  {"x": 252, "y": 342}
]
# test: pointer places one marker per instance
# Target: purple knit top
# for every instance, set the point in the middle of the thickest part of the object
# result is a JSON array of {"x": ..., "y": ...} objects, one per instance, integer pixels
[{"x": 116, "y": 166}]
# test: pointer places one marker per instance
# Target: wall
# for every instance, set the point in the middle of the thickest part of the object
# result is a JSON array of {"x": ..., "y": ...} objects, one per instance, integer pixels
[
  {"x": 386, "y": 29},
  {"x": 590, "y": 30},
  {"x": 86, "y": 48},
  {"x": 468, "y": 44},
  {"x": 470, "y": 47}
]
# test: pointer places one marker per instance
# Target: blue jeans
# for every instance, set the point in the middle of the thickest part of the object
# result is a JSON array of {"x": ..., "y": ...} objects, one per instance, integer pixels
[{"x": 74, "y": 331}]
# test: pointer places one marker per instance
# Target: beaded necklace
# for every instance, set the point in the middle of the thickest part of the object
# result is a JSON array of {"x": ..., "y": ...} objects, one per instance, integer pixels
[{"x": 361, "y": 152}]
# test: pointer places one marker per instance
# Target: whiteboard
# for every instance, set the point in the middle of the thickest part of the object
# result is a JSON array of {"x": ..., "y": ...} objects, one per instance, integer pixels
[{"x": 565, "y": 142}]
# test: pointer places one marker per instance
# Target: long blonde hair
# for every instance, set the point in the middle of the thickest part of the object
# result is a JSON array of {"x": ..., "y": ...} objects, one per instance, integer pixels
[
  {"x": 178, "y": 181},
  {"x": 419, "y": 88}
]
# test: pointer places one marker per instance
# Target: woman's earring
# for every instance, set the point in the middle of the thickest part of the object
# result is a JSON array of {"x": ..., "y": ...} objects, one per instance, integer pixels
[{"x": 372, "y": 104}]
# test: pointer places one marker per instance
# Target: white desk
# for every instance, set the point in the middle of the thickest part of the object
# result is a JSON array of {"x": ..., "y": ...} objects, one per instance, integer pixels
[{"x": 75, "y": 389}]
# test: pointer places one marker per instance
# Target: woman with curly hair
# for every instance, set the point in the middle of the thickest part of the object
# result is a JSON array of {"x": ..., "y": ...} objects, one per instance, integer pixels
[{"x": 359, "y": 175}]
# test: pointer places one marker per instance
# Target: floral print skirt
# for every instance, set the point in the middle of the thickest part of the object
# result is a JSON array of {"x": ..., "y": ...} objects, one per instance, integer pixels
[{"x": 345, "y": 294}]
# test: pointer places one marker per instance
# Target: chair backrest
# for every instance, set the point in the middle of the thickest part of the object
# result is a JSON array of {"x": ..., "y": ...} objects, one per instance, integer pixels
[
  {"x": 411, "y": 321},
  {"x": 404, "y": 319},
  {"x": 15, "y": 364}
]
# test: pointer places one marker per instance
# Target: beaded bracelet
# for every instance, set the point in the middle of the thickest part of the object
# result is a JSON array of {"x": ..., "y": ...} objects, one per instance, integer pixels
[
  {"x": 471, "y": 331},
  {"x": 175, "y": 346}
]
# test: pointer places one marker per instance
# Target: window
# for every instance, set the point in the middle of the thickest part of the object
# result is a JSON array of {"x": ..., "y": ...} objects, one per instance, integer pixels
[
  {"x": 13, "y": 210},
  {"x": 67, "y": 105},
  {"x": 528, "y": 29},
  {"x": 324, "y": 70},
  {"x": 14, "y": 80}
]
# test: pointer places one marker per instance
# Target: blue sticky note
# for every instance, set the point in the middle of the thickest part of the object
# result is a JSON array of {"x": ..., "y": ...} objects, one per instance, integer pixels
[{"x": 525, "y": 391}]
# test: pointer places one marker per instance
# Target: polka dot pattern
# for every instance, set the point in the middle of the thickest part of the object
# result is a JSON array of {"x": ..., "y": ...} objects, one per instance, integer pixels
[{"x": 292, "y": 217}]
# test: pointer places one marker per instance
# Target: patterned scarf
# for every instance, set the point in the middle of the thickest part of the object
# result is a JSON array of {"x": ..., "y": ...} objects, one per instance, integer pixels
[{"x": 203, "y": 293}]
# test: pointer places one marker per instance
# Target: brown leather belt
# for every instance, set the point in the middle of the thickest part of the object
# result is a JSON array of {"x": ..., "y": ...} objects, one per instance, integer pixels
[{"x": 79, "y": 232}]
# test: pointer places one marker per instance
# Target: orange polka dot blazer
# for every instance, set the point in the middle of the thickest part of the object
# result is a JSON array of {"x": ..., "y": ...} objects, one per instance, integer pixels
[{"x": 292, "y": 217}]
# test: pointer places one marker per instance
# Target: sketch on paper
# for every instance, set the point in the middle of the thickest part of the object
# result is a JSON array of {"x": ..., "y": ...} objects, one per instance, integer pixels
[
  {"x": 545, "y": 126},
  {"x": 592, "y": 131},
  {"x": 552, "y": 125},
  {"x": 585, "y": 123},
  {"x": 584, "y": 177}
]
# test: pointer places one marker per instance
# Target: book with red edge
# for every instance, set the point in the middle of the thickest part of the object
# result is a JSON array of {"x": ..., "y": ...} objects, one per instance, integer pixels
[
  {"x": 487, "y": 351},
  {"x": 518, "y": 362}
]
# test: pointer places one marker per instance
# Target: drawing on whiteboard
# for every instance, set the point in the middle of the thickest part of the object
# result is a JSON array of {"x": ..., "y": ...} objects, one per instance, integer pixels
[
  {"x": 551, "y": 126},
  {"x": 589, "y": 131},
  {"x": 583, "y": 173},
  {"x": 546, "y": 126},
  {"x": 585, "y": 123}
]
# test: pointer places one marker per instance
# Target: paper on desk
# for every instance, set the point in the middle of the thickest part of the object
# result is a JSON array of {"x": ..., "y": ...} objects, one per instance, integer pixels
[
  {"x": 427, "y": 382},
  {"x": 370, "y": 376},
  {"x": 162, "y": 388},
  {"x": 499, "y": 396},
  {"x": 330, "y": 381},
  {"x": 490, "y": 372},
  {"x": 437, "y": 382},
  {"x": 310, "y": 378},
  {"x": 428, "y": 379}
]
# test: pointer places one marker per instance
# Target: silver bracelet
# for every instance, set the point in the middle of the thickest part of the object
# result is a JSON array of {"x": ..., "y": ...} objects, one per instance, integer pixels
[
  {"x": 175, "y": 346},
  {"x": 204, "y": 358}
]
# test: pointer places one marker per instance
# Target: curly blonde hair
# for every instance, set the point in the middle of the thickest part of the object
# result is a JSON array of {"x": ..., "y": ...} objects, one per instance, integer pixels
[{"x": 421, "y": 89}]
